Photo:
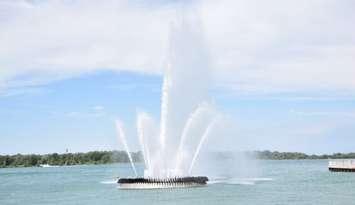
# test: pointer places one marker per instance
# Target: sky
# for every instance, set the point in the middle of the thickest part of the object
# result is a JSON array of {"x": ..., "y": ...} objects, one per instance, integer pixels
[{"x": 283, "y": 72}]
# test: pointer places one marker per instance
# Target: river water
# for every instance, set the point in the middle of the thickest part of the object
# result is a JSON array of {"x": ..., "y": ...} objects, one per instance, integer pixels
[{"x": 279, "y": 182}]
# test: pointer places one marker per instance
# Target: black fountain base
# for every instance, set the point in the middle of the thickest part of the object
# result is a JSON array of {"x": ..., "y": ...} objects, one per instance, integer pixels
[{"x": 152, "y": 183}]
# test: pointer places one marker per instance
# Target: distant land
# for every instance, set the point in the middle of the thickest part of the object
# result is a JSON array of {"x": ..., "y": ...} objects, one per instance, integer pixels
[
  {"x": 95, "y": 157},
  {"x": 108, "y": 157}
]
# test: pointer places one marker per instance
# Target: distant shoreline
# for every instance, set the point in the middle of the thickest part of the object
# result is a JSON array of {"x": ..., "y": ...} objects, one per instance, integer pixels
[
  {"x": 109, "y": 157},
  {"x": 275, "y": 155},
  {"x": 55, "y": 159}
]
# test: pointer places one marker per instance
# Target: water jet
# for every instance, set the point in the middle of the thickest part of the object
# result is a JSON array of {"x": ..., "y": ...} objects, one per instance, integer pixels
[{"x": 171, "y": 149}]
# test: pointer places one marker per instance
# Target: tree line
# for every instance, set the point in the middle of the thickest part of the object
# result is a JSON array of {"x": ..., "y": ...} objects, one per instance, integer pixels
[
  {"x": 95, "y": 157},
  {"x": 274, "y": 155},
  {"x": 107, "y": 157}
]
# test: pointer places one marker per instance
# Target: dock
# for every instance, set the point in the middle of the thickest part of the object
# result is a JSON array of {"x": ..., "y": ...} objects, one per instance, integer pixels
[{"x": 341, "y": 165}]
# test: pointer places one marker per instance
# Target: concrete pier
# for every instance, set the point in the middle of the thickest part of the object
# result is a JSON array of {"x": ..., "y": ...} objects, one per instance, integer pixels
[{"x": 341, "y": 165}]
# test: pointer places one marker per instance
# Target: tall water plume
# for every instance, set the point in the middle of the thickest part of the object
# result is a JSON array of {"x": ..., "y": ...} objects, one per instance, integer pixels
[
  {"x": 185, "y": 84},
  {"x": 186, "y": 114}
]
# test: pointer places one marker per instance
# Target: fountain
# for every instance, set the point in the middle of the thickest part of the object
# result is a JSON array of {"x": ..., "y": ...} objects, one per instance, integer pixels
[{"x": 187, "y": 118}]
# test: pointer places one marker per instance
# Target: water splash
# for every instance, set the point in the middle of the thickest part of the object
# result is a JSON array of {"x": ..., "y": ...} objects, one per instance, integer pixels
[{"x": 122, "y": 136}]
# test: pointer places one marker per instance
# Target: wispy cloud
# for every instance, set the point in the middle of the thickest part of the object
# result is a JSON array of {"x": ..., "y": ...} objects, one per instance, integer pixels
[
  {"x": 129, "y": 87},
  {"x": 92, "y": 112},
  {"x": 24, "y": 91},
  {"x": 82, "y": 114},
  {"x": 324, "y": 113},
  {"x": 98, "y": 108}
]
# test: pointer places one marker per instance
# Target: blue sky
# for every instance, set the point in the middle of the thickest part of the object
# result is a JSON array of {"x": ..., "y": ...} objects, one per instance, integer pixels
[
  {"x": 283, "y": 72},
  {"x": 79, "y": 114}
]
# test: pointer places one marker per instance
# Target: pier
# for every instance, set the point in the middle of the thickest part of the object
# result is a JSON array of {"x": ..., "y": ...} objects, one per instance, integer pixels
[{"x": 341, "y": 165}]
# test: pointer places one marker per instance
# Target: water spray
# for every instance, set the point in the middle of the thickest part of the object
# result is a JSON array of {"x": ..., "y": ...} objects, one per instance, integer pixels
[
  {"x": 203, "y": 138},
  {"x": 122, "y": 136}
]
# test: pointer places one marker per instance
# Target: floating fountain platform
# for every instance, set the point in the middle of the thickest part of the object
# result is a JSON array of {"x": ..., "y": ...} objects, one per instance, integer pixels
[{"x": 155, "y": 183}]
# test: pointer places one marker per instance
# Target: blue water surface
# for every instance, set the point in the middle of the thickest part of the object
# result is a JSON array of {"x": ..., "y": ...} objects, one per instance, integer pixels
[{"x": 281, "y": 182}]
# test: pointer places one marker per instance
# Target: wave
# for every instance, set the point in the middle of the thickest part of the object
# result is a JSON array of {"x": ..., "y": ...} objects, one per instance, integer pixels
[
  {"x": 109, "y": 182},
  {"x": 238, "y": 181}
]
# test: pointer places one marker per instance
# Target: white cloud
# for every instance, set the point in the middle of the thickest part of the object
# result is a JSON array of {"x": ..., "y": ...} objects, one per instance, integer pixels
[
  {"x": 271, "y": 46},
  {"x": 58, "y": 39},
  {"x": 281, "y": 46}
]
